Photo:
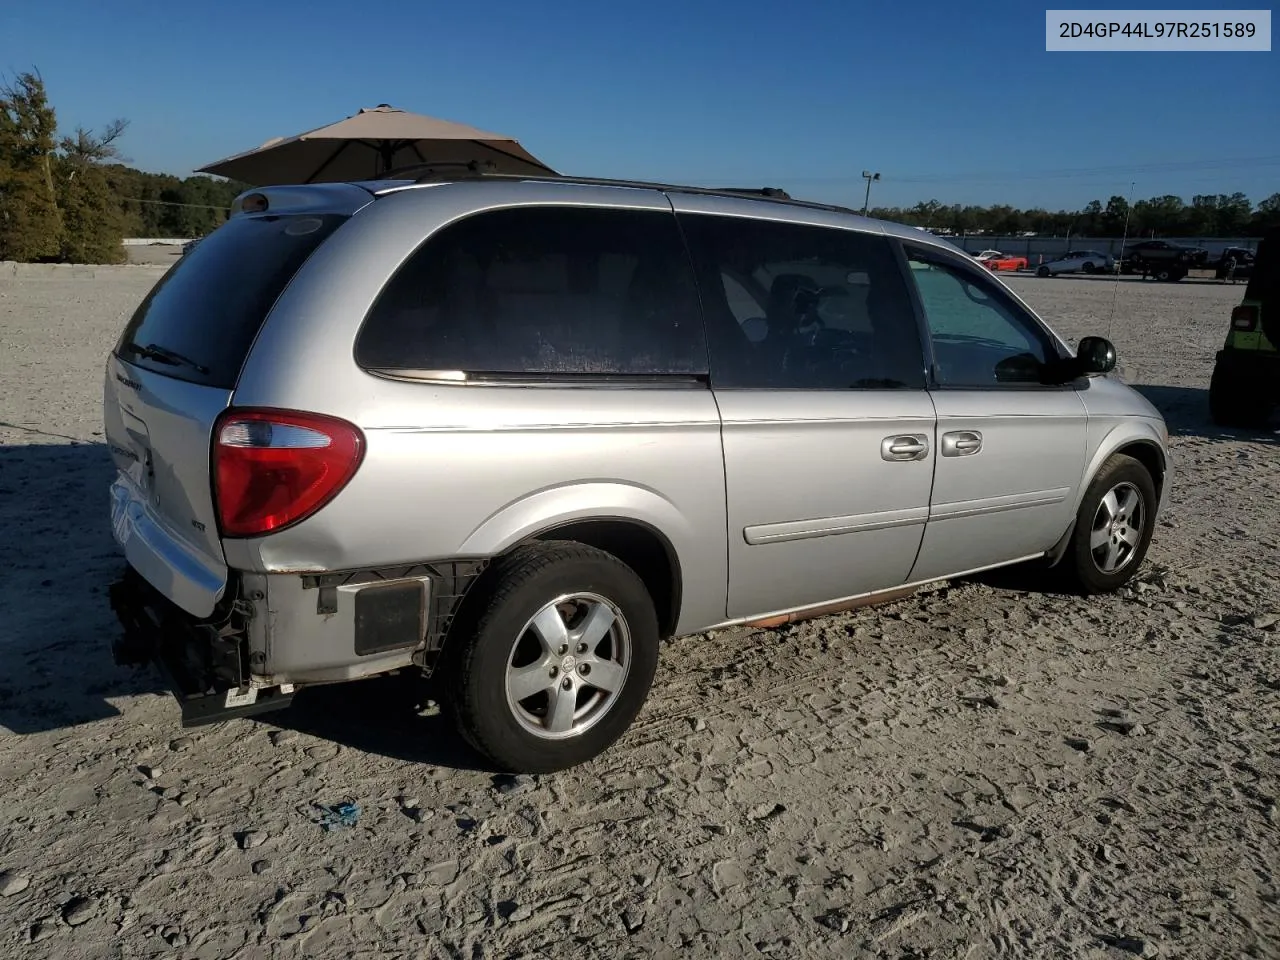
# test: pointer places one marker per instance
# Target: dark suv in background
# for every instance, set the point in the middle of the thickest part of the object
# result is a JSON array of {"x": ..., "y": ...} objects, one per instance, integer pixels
[{"x": 1163, "y": 260}]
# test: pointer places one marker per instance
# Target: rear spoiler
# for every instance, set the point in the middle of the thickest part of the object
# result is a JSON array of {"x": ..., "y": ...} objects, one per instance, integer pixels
[{"x": 317, "y": 198}]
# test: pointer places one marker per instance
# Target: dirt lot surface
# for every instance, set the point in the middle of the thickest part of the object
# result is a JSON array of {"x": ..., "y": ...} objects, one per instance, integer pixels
[{"x": 978, "y": 771}]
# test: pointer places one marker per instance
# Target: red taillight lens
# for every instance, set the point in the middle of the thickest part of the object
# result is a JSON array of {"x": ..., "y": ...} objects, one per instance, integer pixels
[
  {"x": 273, "y": 468},
  {"x": 1244, "y": 318}
]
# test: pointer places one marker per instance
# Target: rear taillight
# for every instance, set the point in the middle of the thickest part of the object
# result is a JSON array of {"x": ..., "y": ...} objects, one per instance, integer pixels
[
  {"x": 273, "y": 468},
  {"x": 1244, "y": 318}
]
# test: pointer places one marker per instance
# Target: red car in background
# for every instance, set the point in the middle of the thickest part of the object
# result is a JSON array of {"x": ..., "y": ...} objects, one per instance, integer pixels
[{"x": 996, "y": 261}]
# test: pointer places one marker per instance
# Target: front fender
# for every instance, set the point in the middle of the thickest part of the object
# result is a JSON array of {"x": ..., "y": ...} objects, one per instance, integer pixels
[
  {"x": 1109, "y": 435},
  {"x": 1105, "y": 439}
]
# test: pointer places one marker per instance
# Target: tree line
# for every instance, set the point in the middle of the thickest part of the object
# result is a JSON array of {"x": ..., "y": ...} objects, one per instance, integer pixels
[
  {"x": 1207, "y": 215},
  {"x": 72, "y": 198}
]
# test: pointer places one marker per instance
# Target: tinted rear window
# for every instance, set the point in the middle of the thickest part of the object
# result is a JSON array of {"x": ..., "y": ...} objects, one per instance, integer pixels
[
  {"x": 200, "y": 320},
  {"x": 543, "y": 291}
]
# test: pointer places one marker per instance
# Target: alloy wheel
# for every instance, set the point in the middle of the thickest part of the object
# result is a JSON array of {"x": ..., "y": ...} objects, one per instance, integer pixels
[
  {"x": 1117, "y": 528},
  {"x": 568, "y": 666}
]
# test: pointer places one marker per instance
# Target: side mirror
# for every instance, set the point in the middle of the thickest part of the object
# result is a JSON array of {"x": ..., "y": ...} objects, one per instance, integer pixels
[{"x": 1096, "y": 355}]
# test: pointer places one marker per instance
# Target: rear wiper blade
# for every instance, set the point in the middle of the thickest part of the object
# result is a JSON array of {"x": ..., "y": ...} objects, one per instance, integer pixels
[{"x": 153, "y": 351}]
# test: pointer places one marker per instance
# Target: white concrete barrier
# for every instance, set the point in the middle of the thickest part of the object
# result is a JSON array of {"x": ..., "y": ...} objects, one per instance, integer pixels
[{"x": 10, "y": 269}]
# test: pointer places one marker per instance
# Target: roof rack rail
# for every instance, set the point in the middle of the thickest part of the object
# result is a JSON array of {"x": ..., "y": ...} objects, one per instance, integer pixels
[
  {"x": 424, "y": 171},
  {"x": 471, "y": 169},
  {"x": 776, "y": 193}
]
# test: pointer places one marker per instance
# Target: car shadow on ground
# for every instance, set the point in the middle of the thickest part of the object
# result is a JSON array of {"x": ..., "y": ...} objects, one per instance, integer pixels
[
  {"x": 58, "y": 558},
  {"x": 390, "y": 716},
  {"x": 1186, "y": 411}
]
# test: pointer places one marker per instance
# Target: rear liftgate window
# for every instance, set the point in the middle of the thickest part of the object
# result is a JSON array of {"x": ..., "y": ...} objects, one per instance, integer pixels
[
  {"x": 199, "y": 321},
  {"x": 542, "y": 292}
]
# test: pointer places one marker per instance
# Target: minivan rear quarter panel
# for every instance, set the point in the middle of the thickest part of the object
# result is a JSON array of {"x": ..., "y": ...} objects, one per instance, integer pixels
[{"x": 457, "y": 470}]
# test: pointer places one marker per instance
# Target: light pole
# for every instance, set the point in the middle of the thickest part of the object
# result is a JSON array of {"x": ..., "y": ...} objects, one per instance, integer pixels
[{"x": 868, "y": 176}]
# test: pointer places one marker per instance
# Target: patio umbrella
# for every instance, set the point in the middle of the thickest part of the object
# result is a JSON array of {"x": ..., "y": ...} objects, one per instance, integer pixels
[{"x": 372, "y": 143}]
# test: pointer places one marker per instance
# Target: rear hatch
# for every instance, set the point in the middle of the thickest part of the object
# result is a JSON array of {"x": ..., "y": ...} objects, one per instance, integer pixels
[{"x": 172, "y": 373}]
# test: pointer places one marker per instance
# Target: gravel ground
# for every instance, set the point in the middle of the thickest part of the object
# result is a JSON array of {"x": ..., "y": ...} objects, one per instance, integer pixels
[{"x": 979, "y": 771}]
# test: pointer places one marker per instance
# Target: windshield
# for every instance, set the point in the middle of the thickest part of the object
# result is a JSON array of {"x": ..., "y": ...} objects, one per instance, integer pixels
[{"x": 200, "y": 320}]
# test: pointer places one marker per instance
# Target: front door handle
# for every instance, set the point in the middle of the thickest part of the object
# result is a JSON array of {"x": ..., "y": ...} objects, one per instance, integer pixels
[
  {"x": 961, "y": 443},
  {"x": 910, "y": 446}
]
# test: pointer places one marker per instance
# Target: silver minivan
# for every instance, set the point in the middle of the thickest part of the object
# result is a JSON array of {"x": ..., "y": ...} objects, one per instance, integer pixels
[{"x": 513, "y": 432}]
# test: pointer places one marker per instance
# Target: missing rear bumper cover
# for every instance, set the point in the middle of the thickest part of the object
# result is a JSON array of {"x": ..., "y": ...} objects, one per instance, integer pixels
[
  {"x": 446, "y": 584},
  {"x": 390, "y": 616},
  {"x": 205, "y": 664}
]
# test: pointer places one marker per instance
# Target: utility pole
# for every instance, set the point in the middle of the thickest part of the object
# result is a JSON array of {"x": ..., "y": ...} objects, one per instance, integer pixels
[{"x": 868, "y": 176}]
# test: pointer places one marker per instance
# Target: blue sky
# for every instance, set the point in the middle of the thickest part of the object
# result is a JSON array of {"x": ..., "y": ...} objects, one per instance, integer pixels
[{"x": 953, "y": 101}]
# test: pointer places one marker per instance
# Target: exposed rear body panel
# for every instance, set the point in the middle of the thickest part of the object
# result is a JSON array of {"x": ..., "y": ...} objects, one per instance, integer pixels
[{"x": 162, "y": 511}]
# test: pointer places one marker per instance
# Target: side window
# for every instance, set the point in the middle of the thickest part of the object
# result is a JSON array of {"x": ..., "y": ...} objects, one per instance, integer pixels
[
  {"x": 746, "y": 308},
  {"x": 979, "y": 337},
  {"x": 795, "y": 306},
  {"x": 542, "y": 291}
]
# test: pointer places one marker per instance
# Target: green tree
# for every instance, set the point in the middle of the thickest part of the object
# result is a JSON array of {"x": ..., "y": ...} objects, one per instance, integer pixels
[
  {"x": 1267, "y": 216},
  {"x": 1234, "y": 211},
  {"x": 93, "y": 223},
  {"x": 29, "y": 223},
  {"x": 1114, "y": 216}
]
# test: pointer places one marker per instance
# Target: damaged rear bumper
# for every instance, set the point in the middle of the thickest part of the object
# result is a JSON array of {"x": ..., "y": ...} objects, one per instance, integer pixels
[{"x": 205, "y": 663}]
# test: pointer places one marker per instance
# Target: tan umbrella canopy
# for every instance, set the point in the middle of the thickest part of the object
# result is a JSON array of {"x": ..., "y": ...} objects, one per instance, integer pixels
[{"x": 372, "y": 143}]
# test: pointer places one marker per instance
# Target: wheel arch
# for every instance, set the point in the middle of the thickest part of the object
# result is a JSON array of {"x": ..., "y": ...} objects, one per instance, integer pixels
[
  {"x": 641, "y": 547},
  {"x": 636, "y": 524},
  {"x": 1144, "y": 445},
  {"x": 1149, "y": 454}
]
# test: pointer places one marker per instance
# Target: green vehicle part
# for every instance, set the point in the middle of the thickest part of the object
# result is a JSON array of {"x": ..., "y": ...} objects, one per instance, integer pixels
[{"x": 1245, "y": 386}]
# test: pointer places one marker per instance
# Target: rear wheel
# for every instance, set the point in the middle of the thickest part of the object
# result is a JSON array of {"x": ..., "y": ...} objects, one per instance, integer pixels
[
  {"x": 1088, "y": 266},
  {"x": 556, "y": 660},
  {"x": 1235, "y": 402},
  {"x": 1113, "y": 527}
]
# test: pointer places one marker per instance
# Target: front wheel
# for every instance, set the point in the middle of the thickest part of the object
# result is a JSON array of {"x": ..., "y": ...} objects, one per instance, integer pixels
[
  {"x": 556, "y": 660},
  {"x": 1042, "y": 272},
  {"x": 1113, "y": 528}
]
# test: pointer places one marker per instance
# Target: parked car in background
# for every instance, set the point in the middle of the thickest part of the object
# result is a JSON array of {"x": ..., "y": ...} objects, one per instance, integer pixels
[
  {"x": 1234, "y": 262},
  {"x": 513, "y": 433},
  {"x": 1162, "y": 260},
  {"x": 1077, "y": 261},
  {"x": 1002, "y": 261}
]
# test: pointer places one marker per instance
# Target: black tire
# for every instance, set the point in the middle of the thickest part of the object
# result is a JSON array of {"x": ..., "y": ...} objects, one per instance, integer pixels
[
  {"x": 1079, "y": 565},
  {"x": 1164, "y": 274},
  {"x": 1042, "y": 272},
  {"x": 1233, "y": 403},
  {"x": 1088, "y": 266},
  {"x": 488, "y": 634}
]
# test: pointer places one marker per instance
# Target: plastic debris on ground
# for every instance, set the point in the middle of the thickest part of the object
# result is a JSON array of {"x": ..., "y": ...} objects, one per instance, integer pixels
[{"x": 338, "y": 816}]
